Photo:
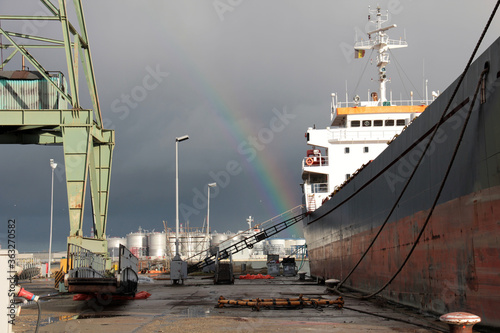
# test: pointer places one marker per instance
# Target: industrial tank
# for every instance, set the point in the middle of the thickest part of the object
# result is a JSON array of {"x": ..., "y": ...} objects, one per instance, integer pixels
[
  {"x": 218, "y": 239},
  {"x": 137, "y": 243},
  {"x": 157, "y": 244},
  {"x": 276, "y": 246},
  {"x": 114, "y": 245},
  {"x": 193, "y": 245},
  {"x": 201, "y": 245},
  {"x": 258, "y": 248}
]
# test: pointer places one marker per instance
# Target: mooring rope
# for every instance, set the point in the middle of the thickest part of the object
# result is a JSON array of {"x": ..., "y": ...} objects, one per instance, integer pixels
[{"x": 443, "y": 115}]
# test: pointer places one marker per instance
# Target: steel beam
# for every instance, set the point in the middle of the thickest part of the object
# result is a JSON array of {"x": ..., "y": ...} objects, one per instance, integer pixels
[
  {"x": 63, "y": 15},
  {"x": 100, "y": 171},
  {"x": 77, "y": 144},
  {"x": 87, "y": 59},
  {"x": 88, "y": 148}
]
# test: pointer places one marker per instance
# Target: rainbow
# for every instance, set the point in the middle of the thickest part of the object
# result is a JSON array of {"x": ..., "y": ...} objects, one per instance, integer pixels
[{"x": 277, "y": 194}]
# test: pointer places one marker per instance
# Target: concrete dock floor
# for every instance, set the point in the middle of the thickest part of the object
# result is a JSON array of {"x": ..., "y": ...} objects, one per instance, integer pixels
[{"x": 191, "y": 308}]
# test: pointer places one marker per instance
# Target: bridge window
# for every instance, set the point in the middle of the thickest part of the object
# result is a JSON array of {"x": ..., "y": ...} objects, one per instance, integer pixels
[
  {"x": 389, "y": 122},
  {"x": 378, "y": 123},
  {"x": 346, "y": 150},
  {"x": 400, "y": 122},
  {"x": 355, "y": 123},
  {"x": 365, "y": 149},
  {"x": 367, "y": 123}
]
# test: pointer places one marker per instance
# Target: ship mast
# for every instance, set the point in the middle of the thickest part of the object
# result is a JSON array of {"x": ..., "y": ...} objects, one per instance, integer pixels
[{"x": 380, "y": 42}]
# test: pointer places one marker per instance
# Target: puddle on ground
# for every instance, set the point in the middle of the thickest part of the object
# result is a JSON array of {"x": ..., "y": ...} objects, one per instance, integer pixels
[
  {"x": 51, "y": 320},
  {"x": 198, "y": 311}
]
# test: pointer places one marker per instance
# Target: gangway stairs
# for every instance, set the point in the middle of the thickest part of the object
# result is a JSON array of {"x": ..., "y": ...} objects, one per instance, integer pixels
[{"x": 246, "y": 243}]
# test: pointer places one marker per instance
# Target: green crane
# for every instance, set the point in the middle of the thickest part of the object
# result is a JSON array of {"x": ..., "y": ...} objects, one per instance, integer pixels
[{"x": 88, "y": 147}]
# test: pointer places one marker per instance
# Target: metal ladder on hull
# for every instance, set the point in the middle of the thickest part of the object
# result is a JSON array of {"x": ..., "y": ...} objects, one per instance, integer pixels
[{"x": 311, "y": 203}]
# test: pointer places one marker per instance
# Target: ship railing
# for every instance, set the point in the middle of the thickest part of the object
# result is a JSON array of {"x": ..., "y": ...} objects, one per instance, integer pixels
[
  {"x": 372, "y": 42},
  {"x": 314, "y": 161},
  {"x": 319, "y": 188},
  {"x": 387, "y": 103},
  {"x": 369, "y": 134},
  {"x": 26, "y": 263}
]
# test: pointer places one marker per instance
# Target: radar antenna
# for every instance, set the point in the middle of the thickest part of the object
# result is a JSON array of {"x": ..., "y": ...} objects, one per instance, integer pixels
[{"x": 383, "y": 44}]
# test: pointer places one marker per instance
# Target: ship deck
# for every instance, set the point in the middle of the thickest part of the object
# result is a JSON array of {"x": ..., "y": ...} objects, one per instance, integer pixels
[{"x": 192, "y": 308}]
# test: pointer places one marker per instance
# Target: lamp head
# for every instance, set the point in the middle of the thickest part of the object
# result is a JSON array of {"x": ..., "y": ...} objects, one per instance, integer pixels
[
  {"x": 212, "y": 185},
  {"x": 182, "y": 138},
  {"x": 52, "y": 164}
]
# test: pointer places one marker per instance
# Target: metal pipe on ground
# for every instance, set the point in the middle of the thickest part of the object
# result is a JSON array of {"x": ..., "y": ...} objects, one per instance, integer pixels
[{"x": 298, "y": 302}]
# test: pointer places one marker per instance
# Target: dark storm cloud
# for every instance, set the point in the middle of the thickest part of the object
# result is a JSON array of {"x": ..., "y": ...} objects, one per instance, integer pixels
[{"x": 167, "y": 68}]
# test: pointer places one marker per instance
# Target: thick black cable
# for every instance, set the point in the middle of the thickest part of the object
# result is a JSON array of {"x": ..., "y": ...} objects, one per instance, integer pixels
[
  {"x": 438, "y": 195},
  {"x": 395, "y": 319},
  {"x": 39, "y": 315},
  {"x": 422, "y": 156}
]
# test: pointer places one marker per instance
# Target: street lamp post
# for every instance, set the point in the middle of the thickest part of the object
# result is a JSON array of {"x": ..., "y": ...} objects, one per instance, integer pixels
[
  {"x": 53, "y": 166},
  {"x": 177, "y": 140},
  {"x": 208, "y": 209},
  {"x": 178, "y": 268}
]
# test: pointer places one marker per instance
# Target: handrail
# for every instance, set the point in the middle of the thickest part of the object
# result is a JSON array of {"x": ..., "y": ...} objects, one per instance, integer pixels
[
  {"x": 85, "y": 263},
  {"x": 367, "y": 133},
  {"x": 385, "y": 41},
  {"x": 403, "y": 102},
  {"x": 319, "y": 188},
  {"x": 317, "y": 161}
]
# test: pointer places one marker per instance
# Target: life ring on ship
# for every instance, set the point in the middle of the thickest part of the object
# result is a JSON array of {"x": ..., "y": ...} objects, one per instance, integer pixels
[{"x": 309, "y": 161}]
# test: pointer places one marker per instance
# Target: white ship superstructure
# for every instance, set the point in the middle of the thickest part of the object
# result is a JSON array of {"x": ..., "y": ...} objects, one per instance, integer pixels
[{"x": 360, "y": 130}]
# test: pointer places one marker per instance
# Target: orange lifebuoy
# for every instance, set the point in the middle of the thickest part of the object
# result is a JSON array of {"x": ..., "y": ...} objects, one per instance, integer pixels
[{"x": 309, "y": 161}]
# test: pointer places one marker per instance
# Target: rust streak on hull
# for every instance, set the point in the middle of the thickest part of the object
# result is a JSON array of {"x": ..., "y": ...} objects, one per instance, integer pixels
[{"x": 452, "y": 269}]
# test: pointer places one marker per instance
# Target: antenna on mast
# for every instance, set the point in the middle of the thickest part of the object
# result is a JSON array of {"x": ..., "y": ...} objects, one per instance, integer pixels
[{"x": 383, "y": 44}]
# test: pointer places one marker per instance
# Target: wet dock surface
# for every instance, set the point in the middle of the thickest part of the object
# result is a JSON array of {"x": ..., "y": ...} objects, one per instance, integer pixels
[{"x": 191, "y": 308}]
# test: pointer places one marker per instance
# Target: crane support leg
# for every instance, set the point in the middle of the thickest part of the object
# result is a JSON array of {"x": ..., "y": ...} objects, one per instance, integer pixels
[
  {"x": 77, "y": 144},
  {"x": 100, "y": 172}
]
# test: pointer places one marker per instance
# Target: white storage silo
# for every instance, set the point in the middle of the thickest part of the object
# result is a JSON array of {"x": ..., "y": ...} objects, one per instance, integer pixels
[
  {"x": 114, "y": 245},
  {"x": 171, "y": 245},
  {"x": 200, "y": 246},
  {"x": 137, "y": 243},
  {"x": 218, "y": 239},
  {"x": 157, "y": 244},
  {"x": 276, "y": 246},
  {"x": 258, "y": 248}
]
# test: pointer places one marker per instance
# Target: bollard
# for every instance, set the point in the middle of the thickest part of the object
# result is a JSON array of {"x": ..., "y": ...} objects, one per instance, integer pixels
[
  {"x": 460, "y": 322},
  {"x": 332, "y": 283}
]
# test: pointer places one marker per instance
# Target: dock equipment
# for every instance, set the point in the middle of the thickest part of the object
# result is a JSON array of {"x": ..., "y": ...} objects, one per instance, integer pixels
[
  {"x": 247, "y": 242},
  {"x": 39, "y": 108},
  {"x": 87, "y": 274},
  {"x": 289, "y": 267},
  {"x": 224, "y": 271},
  {"x": 273, "y": 264},
  {"x": 299, "y": 302}
]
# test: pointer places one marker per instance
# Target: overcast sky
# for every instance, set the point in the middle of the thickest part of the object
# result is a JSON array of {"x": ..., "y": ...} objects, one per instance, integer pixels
[{"x": 243, "y": 78}]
